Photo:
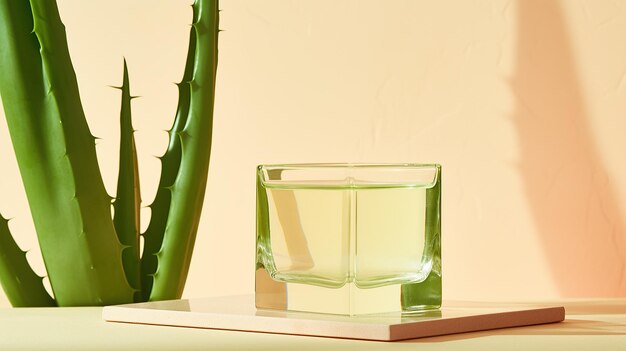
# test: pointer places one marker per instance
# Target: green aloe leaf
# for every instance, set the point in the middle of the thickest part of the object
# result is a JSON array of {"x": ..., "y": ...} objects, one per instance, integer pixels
[
  {"x": 128, "y": 200},
  {"x": 56, "y": 157},
  {"x": 188, "y": 188},
  {"x": 170, "y": 165},
  {"x": 21, "y": 285}
]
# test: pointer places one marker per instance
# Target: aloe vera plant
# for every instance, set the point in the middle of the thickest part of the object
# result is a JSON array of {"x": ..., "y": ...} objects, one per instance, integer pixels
[{"x": 90, "y": 257}]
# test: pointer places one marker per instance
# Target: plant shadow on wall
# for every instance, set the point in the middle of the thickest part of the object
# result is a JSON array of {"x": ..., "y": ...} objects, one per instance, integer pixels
[
  {"x": 571, "y": 197},
  {"x": 90, "y": 257}
]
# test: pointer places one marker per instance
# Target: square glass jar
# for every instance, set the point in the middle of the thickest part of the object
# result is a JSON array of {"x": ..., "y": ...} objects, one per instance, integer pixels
[{"x": 348, "y": 238}]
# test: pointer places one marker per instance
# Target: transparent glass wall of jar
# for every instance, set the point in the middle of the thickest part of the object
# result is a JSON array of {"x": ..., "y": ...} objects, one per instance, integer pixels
[{"x": 348, "y": 238}]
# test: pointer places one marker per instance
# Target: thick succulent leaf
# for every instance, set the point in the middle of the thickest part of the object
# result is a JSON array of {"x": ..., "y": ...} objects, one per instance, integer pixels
[
  {"x": 187, "y": 191},
  {"x": 128, "y": 199},
  {"x": 170, "y": 165},
  {"x": 56, "y": 156},
  {"x": 21, "y": 285}
]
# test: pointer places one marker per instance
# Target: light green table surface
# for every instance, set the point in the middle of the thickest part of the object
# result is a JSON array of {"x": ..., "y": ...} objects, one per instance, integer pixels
[{"x": 589, "y": 325}]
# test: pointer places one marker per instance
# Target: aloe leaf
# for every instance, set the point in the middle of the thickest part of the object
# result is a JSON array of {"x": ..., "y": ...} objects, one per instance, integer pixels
[
  {"x": 128, "y": 200},
  {"x": 187, "y": 191},
  {"x": 170, "y": 164},
  {"x": 22, "y": 286},
  {"x": 56, "y": 157}
]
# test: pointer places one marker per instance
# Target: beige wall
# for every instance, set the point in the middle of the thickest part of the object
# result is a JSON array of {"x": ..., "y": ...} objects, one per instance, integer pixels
[{"x": 522, "y": 102}]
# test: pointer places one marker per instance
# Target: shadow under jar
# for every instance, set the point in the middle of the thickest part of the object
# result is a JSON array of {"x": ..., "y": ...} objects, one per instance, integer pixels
[{"x": 348, "y": 238}]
